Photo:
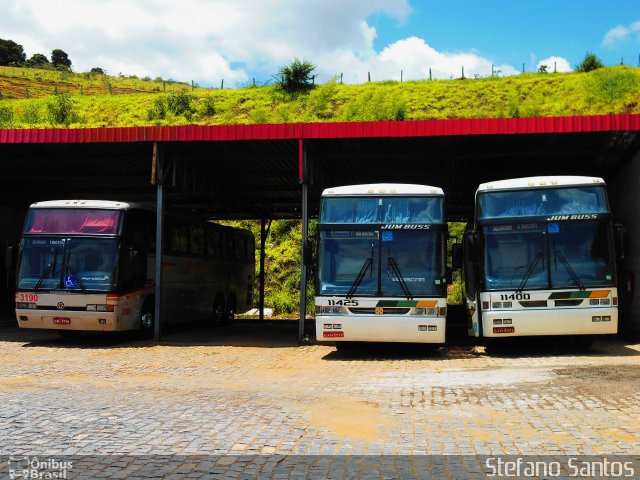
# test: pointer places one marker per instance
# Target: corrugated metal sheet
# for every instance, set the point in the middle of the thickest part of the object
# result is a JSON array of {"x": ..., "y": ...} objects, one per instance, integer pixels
[{"x": 418, "y": 128}]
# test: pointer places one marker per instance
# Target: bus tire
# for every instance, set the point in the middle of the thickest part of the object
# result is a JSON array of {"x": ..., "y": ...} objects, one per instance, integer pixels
[
  {"x": 230, "y": 312},
  {"x": 218, "y": 310},
  {"x": 69, "y": 334},
  {"x": 584, "y": 341},
  {"x": 147, "y": 320}
]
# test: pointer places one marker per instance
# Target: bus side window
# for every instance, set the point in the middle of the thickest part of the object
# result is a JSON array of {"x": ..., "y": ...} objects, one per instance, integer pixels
[
  {"x": 250, "y": 252},
  {"x": 196, "y": 237},
  {"x": 231, "y": 246},
  {"x": 179, "y": 238},
  {"x": 213, "y": 242}
]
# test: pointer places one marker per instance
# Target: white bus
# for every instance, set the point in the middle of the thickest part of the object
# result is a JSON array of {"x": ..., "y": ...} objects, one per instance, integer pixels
[
  {"x": 382, "y": 273},
  {"x": 540, "y": 260},
  {"x": 90, "y": 266}
]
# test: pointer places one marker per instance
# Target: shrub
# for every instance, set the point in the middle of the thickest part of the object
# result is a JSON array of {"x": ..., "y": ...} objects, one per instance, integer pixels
[
  {"x": 61, "y": 110},
  {"x": 297, "y": 76},
  {"x": 589, "y": 63},
  {"x": 179, "y": 103},
  {"x": 6, "y": 116},
  {"x": 209, "y": 107},
  {"x": 159, "y": 109}
]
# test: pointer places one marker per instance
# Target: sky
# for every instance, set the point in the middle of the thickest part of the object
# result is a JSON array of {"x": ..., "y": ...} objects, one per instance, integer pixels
[{"x": 241, "y": 40}]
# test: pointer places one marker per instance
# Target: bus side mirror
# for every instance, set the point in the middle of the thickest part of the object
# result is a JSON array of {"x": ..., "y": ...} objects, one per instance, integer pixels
[
  {"x": 449, "y": 276},
  {"x": 8, "y": 256},
  {"x": 618, "y": 235},
  {"x": 456, "y": 256}
]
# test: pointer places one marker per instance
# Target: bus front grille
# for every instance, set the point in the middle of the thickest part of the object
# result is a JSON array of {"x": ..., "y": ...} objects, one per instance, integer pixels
[{"x": 385, "y": 310}]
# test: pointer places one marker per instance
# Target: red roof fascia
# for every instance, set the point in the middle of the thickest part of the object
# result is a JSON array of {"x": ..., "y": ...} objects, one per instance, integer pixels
[{"x": 411, "y": 128}]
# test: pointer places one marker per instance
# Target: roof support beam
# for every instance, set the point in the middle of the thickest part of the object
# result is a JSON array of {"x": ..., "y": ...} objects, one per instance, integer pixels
[{"x": 305, "y": 242}]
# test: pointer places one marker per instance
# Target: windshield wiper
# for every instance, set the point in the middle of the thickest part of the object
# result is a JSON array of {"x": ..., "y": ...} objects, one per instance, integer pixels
[
  {"x": 569, "y": 268},
  {"x": 403, "y": 285},
  {"x": 68, "y": 268},
  {"x": 529, "y": 271},
  {"x": 50, "y": 269},
  {"x": 356, "y": 283},
  {"x": 368, "y": 263}
]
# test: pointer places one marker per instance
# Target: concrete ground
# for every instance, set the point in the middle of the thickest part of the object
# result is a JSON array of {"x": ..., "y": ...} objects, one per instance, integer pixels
[{"x": 246, "y": 401}]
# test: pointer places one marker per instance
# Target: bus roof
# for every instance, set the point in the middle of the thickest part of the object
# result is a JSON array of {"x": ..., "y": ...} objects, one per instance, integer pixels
[
  {"x": 107, "y": 204},
  {"x": 537, "y": 182},
  {"x": 383, "y": 189}
]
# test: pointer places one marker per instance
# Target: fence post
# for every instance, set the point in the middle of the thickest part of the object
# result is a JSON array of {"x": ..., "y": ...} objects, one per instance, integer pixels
[
  {"x": 164, "y": 86},
  {"x": 222, "y": 84},
  {"x": 341, "y": 73},
  {"x": 463, "y": 71},
  {"x": 400, "y": 75},
  {"x": 430, "y": 74},
  {"x": 492, "y": 69},
  {"x": 368, "y": 76},
  {"x": 522, "y": 67},
  {"x": 193, "y": 85},
  {"x": 554, "y": 67}
]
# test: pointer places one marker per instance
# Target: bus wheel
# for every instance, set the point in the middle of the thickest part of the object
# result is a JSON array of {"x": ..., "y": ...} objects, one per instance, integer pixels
[
  {"x": 146, "y": 320},
  {"x": 69, "y": 334},
  {"x": 584, "y": 341},
  {"x": 231, "y": 309},
  {"x": 218, "y": 310}
]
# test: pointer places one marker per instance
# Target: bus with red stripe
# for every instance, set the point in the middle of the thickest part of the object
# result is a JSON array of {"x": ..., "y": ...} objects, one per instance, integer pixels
[{"x": 89, "y": 265}]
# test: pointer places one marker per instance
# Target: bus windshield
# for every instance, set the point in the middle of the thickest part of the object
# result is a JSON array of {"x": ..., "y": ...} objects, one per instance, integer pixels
[
  {"x": 383, "y": 209},
  {"x": 542, "y": 201},
  {"x": 69, "y": 264},
  {"x": 410, "y": 263},
  {"x": 548, "y": 255}
]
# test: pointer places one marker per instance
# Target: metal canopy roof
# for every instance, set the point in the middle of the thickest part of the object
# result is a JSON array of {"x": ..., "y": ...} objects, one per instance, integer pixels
[{"x": 254, "y": 171}]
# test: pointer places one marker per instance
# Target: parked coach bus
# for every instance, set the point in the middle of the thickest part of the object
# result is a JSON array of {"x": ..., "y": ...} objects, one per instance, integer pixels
[
  {"x": 540, "y": 260},
  {"x": 90, "y": 265},
  {"x": 382, "y": 273}
]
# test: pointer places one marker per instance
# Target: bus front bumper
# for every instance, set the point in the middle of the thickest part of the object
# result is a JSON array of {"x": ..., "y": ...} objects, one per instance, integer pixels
[
  {"x": 570, "y": 321},
  {"x": 68, "y": 320},
  {"x": 383, "y": 328}
]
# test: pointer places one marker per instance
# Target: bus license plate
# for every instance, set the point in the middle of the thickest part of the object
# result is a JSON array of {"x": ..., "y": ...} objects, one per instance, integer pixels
[
  {"x": 62, "y": 320},
  {"x": 332, "y": 334},
  {"x": 503, "y": 329}
]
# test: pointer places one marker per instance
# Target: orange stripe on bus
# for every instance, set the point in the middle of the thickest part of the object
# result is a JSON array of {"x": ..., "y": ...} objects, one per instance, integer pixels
[
  {"x": 117, "y": 296},
  {"x": 599, "y": 294},
  {"x": 426, "y": 303}
]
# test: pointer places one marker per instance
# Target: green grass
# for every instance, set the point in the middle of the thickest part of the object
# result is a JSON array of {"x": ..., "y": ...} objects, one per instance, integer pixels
[{"x": 604, "y": 91}]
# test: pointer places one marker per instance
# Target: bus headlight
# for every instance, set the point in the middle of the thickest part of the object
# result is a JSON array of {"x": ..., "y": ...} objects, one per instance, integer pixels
[
  {"x": 431, "y": 312},
  {"x": 29, "y": 306},
  {"x": 326, "y": 310}
]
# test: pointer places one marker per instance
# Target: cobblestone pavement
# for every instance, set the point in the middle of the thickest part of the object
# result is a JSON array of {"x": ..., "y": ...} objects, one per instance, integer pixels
[{"x": 248, "y": 398}]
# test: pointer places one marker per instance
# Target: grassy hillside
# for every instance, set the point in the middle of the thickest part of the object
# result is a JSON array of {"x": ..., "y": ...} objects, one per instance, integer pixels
[{"x": 135, "y": 102}]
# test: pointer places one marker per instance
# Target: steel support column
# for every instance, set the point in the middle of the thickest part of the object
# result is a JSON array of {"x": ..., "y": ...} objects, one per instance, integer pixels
[
  {"x": 303, "y": 177},
  {"x": 157, "y": 177},
  {"x": 264, "y": 232}
]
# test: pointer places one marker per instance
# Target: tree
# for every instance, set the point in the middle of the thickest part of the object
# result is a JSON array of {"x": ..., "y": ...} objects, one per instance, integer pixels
[
  {"x": 59, "y": 58},
  {"x": 590, "y": 62},
  {"x": 297, "y": 76},
  {"x": 98, "y": 71},
  {"x": 543, "y": 69},
  {"x": 11, "y": 53},
  {"x": 37, "y": 60}
]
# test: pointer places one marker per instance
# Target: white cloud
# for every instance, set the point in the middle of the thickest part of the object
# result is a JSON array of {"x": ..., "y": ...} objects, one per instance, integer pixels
[
  {"x": 560, "y": 64},
  {"x": 619, "y": 34},
  {"x": 207, "y": 40}
]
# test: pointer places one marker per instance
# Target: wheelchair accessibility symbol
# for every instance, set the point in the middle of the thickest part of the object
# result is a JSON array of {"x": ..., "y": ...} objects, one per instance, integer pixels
[{"x": 69, "y": 281}]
